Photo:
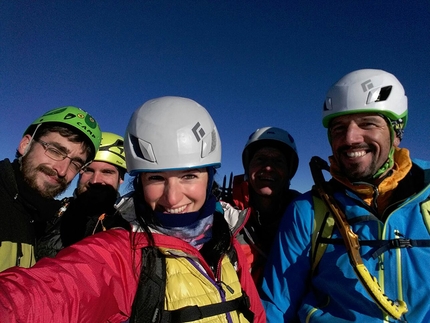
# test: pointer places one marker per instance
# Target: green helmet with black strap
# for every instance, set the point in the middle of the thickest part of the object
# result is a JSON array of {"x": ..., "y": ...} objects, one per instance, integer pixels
[{"x": 75, "y": 118}]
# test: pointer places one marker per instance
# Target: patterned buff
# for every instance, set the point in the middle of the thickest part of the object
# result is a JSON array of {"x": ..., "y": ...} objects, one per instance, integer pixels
[{"x": 194, "y": 227}]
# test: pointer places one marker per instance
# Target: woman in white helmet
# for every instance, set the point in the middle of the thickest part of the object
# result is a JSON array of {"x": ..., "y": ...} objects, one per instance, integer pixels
[{"x": 180, "y": 263}]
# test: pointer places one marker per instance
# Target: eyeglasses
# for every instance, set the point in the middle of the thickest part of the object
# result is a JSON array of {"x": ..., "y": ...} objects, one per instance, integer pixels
[{"x": 56, "y": 154}]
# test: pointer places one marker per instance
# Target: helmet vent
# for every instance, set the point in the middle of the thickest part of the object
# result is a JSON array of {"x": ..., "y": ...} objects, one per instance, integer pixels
[
  {"x": 135, "y": 143},
  {"x": 209, "y": 144},
  {"x": 142, "y": 149},
  {"x": 327, "y": 105},
  {"x": 116, "y": 144},
  {"x": 213, "y": 143},
  {"x": 384, "y": 93}
]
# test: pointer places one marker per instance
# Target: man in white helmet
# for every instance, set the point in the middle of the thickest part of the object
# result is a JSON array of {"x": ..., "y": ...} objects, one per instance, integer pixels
[
  {"x": 378, "y": 197},
  {"x": 261, "y": 195}
]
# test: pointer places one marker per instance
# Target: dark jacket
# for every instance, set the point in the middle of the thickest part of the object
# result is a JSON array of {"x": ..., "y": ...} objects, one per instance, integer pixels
[
  {"x": 255, "y": 236},
  {"x": 23, "y": 216},
  {"x": 80, "y": 216}
]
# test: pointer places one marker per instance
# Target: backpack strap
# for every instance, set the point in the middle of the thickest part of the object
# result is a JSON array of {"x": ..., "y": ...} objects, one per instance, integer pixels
[
  {"x": 425, "y": 211},
  {"x": 193, "y": 313},
  {"x": 148, "y": 304},
  {"x": 324, "y": 224},
  {"x": 323, "y": 227}
]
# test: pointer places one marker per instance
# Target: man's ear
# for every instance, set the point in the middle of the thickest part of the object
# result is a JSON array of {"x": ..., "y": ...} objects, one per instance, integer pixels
[
  {"x": 396, "y": 142},
  {"x": 24, "y": 144}
]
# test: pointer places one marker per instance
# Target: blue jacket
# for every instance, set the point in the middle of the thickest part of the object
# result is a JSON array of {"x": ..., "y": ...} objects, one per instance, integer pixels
[{"x": 290, "y": 293}]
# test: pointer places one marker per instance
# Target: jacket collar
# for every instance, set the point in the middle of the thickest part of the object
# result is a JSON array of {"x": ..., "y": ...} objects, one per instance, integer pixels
[
  {"x": 40, "y": 208},
  {"x": 378, "y": 193}
]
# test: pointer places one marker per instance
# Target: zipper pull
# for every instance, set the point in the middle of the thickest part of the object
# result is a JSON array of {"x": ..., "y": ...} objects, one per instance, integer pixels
[{"x": 231, "y": 290}]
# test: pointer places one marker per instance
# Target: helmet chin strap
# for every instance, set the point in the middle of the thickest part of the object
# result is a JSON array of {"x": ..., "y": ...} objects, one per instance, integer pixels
[
  {"x": 211, "y": 175},
  {"x": 390, "y": 160},
  {"x": 387, "y": 165},
  {"x": 27, "y": 148}
]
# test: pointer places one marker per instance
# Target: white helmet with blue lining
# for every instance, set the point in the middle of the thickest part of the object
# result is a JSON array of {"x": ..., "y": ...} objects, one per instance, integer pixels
[{"x": 171, "y": 133}]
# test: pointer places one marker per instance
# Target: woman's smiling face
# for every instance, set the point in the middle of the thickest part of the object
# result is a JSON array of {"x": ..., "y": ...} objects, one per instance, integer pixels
[{"x": 176, "y": 191}]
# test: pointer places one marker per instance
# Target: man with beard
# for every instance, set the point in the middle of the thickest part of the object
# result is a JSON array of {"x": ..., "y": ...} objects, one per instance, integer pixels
[
  {"x": 53, "y": 149},
  {"x": 261, "y": 195},
  {"x": 92, "y": 207},
  {"x": 356, "y": 248}
]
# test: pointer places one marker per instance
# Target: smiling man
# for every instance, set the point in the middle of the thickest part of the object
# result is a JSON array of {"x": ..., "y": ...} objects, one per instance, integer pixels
[
  {"x": 384, "y": 198},
  {"x": 262, "y": 194},
  {"x": 52, "y": 151},
  {"x": 92, "y": 207}
]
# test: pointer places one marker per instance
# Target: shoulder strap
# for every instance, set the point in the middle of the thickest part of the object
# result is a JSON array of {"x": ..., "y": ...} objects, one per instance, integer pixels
[
  {"x": 323, "y": 227},
  {"x": 194, "y": 313},
  {"x": 324, "y": 224},
  {"x": 148, "y": 304},
  {"x": 425, "y": 211},
  {"x": 232, "y": 255}
]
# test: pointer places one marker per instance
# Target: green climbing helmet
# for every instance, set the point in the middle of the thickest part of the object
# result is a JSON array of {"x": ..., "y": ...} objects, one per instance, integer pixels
[
  {"x": 75, "y": 117},
  {"x": 112, "y": 150}
]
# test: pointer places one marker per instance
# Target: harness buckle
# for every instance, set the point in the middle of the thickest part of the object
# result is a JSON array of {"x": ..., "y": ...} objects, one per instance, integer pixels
[{"x": 401, "y": 243}]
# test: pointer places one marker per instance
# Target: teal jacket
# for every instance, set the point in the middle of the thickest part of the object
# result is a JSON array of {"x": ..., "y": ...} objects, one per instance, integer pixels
[{"x": 333, "y": 293}]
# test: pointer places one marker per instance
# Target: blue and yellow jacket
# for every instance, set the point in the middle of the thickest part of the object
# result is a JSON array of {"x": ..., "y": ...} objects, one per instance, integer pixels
[{"x": 291, "y": 292}]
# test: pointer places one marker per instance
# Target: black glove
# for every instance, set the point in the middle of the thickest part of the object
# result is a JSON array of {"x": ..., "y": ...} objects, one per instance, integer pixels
[{"x": 82, "y": 216}]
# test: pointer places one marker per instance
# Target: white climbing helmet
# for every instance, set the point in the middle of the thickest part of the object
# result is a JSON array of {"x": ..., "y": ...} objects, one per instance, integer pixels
[
  {"x": 368, "y": 90},
  {"x": 271, "y": 135},
  {"x": 171, "y": 133}
]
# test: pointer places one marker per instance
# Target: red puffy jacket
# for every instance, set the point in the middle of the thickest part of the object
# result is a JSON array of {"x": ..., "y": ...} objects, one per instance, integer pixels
[{"x": 94, "y": 280}]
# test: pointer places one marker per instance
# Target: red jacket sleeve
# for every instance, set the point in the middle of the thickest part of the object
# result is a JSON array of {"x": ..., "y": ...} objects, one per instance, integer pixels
[
  {"x": 94, "y": 280},
  {"x": 240, "y": 192},
  {"x": 248, "y": 285}
]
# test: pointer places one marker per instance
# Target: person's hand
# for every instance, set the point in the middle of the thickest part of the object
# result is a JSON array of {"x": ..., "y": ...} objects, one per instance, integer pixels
[{"x": 82, "y": 216}]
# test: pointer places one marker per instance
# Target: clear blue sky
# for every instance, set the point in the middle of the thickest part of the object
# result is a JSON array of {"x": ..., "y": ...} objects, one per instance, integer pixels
[{"x": 250, "y": 63}]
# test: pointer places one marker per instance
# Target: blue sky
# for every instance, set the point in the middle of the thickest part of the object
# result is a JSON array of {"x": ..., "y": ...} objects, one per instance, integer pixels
[{"x": 250, "y": 63}]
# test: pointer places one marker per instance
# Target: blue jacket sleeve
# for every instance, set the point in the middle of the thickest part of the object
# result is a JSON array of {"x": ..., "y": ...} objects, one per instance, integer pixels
[{"x": 287, "y": 271}]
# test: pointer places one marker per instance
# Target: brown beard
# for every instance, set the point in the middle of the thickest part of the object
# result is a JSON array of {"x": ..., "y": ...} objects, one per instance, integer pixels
[{"x": 30, "y": 176}]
